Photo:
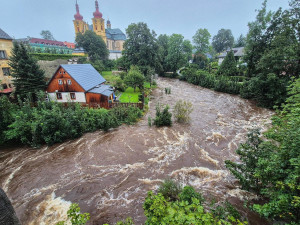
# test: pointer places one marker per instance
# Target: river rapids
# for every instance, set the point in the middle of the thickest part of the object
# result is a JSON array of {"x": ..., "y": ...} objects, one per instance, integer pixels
[{"x": 109, "y": 174}]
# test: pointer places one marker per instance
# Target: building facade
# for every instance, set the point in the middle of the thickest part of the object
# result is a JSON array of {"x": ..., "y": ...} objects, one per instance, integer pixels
[
  {"x": 114, "y": 38},
  {"x": 80, "y": 83},
  {"x": 6, "y": 46},
  {"x": 39, "y": 45}
]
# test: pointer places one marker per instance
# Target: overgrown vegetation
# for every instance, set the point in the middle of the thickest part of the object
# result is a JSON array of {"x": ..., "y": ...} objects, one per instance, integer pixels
[
  {"x": 163, "y": 118},
  {"x": 52, "y": 57},
  {"x": 173, "y": 205},
  {"x": 52, "y": 122},
  {"x": 271, "y": 168},
  {"x": 75, "y": 217},
  {"x": 182, "y": 111}
]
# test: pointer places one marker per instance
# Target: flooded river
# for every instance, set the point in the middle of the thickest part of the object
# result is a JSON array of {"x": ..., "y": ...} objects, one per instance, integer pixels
[{"x": 109, "y": 174}]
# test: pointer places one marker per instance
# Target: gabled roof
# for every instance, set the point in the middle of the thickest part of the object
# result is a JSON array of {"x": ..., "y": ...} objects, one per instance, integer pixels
[
  {"x": 236, "y": 51},
  {"x": 115, "y": 34},
  {"x": 84, "y": 74},
  {"x": 102, "y": 89},
  {"x": 4, "y": 35}
]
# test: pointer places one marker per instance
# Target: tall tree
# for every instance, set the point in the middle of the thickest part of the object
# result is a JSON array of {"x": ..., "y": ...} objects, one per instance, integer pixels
[
  {"x": 163, "y": 45},
  {"x": 223, "y": 40},
  {"x": 256, "y": 40},
  {"x": 46, "y": 34},
  {"x": 240, "y": 42},
  {"x": 201, "y": 40},
  {"x": 28, "y": 77},
  {"x": 93, "y": 44},
  {"x": 228, "y": 66},
  {"x": 140, "y": 48},
  {"x": 134, "y": 78},
  {"x": 179, "y": 52}
]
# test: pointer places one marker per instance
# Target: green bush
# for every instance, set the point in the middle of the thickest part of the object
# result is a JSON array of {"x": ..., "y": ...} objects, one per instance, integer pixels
[
  {"x": 75, "y": 217},
  {"x": 51, "y": 57},
  {"x": 188, "y": 193},
  {"x": 160, "y": 210},
  {"x": 52, "y": 122},
  {"x": 170, "y": 190},
  {"x": 267, "y": 90},
  {"x": 163, "y": 118},
  {"x": 182, "y": 111}
]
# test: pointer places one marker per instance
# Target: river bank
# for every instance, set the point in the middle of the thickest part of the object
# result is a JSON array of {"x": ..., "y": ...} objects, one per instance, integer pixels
[{"x": 109, "y": 174}]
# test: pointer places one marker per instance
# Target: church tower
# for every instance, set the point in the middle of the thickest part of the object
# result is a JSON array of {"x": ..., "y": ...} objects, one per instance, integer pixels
[
  {"x": 79, "y": 25},
  {"x": 99, "y": 23},
  {"x": 108, "y": 24}
]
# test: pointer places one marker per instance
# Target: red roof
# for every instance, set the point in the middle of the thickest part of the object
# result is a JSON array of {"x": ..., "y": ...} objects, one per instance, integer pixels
[
  {"x": 45, "y": 41},
  {"x": 6, "y": 91}
]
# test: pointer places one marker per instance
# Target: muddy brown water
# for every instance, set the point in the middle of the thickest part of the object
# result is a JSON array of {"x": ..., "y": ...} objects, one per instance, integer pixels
[{"x": 109, "y": 174}]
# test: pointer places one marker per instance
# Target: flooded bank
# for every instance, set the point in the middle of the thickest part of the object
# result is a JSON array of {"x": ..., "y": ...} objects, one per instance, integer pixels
[{"x": 109, "y": 174}]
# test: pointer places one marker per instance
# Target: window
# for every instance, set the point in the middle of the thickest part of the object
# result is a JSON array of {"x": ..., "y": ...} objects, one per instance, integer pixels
[
  {"x": 60, "y": 72},
  {"x": 64, "y": 72},
  {"x": 73, "y": 96},
  {"x": 4, "y": 86},
  {"x": 6, "y": 71},
  {"x": 3, "y": 54},
  {"x": 60, "y": 82},
  {"x": 58, "y": 96},
  {"x": 69, "y": 82}
]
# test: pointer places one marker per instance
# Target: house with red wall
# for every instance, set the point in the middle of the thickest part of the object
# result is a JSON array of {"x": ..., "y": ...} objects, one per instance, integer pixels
[{"x": 80, "y": 83}]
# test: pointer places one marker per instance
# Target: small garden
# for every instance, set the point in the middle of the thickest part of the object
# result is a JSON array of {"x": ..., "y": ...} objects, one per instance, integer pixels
[{"x": 130, "y": 86}]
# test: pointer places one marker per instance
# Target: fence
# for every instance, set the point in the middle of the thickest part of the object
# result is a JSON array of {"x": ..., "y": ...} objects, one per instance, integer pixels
[{"x": 120, "y": 104}]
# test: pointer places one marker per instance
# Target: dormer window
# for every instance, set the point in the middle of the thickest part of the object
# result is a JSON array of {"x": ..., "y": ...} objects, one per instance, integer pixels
[{"x": 60, "y": 82}]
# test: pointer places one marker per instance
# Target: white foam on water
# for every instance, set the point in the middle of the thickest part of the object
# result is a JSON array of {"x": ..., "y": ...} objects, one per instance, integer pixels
[{"x": 50, "y": 211}]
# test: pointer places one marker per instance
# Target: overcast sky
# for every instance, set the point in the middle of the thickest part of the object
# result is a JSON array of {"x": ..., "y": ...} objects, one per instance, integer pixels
[{"x": 22, "y": 18}]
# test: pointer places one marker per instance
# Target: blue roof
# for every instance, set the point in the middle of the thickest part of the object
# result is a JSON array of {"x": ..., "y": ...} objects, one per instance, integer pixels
[
  {"x": 115, "y": 34},
  {"x": 84, "y": 74},
  {"x": 102, "y": 89}
]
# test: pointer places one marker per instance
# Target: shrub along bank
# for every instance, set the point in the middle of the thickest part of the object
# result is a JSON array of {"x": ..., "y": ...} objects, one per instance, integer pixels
[{"x": 51, "y": 122}]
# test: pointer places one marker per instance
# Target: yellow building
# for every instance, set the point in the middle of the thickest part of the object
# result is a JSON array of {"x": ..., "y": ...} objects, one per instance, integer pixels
[
  {"x": 114, "y": 38},
  {"x": 6, "y": 45}
]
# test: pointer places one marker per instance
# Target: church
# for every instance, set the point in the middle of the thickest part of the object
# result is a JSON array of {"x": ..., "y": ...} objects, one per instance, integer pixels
[{"x": 114, "y": 38}]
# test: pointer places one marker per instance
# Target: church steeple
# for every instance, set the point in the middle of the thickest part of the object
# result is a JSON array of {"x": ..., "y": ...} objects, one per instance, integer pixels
[
  {"x": 108, "y": 24},
  {"x": 77, "y": 16},
  {"x": 97, "y": 13}
]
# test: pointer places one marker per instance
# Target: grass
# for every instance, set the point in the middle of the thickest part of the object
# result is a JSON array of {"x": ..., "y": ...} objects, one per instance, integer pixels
[
  {"x": 130, "y": 96},
  {"x": 109, "y": 77}
]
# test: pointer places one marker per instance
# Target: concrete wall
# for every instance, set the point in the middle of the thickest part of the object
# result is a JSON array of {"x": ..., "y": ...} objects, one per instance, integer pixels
[
  {"x": 113, "y": 55},
  {"x": 80, "y": 97}
]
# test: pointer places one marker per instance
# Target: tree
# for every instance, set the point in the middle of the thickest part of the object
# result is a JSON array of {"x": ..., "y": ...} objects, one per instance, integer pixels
[
  {"x": 201, "y": 40},
  {"x": 163, "y": 45},
  {"x": 223, "y": 40},
  {"x": 134, "y": 78},
  {"x": 240, "y": 42},
  {"x": 140, "y": 48},
  {"x": 228, "y": 66},
  {"x": 256, "y": 42},
  {"x": 46, "y": 34},
  {"x": 93, "y": 44},
  {"x": 28, "y": 77},
  {"x": 179, "y": 52}
]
